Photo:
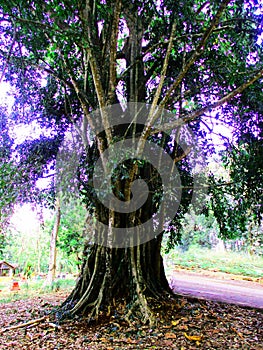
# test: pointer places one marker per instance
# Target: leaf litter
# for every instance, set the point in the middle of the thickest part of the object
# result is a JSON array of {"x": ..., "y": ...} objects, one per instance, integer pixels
[{"x": 183, "y": 324}]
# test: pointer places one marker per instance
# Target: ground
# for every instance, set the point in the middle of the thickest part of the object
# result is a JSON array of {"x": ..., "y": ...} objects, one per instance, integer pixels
[{"x": 186, "y": 324}]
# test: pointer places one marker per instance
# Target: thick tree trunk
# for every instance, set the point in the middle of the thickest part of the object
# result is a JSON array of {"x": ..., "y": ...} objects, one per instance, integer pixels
[
  {"x": 134, "y": 273},
  {"x": 130, "y": 275}
]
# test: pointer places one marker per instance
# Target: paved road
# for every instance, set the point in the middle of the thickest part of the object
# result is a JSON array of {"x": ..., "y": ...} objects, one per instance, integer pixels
[{"x": 231, "y": 291}]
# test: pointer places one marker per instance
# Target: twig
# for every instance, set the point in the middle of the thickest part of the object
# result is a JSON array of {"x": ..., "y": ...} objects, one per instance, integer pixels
[{"x": 22, "y": 325}]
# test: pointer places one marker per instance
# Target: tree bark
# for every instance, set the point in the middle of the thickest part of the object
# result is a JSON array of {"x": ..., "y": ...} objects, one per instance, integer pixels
[
  {"x": 53, "y": 249},
  {"x": 126, "y": 275},
  {"x": 132, "y": 275}
]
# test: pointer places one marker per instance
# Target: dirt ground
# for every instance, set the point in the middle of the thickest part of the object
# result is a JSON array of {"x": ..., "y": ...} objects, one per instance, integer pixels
[{"x": 184, "y": 324}]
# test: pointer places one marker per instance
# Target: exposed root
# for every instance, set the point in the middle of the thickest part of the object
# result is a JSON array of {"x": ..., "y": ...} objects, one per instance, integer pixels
[
  {"x": 143, "y": 312},
  {"x": 131, "y": 276}
]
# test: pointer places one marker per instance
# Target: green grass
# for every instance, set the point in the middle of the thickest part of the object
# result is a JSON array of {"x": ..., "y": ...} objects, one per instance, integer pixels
[
  {"x": 206, "y": 259},
  {"x": 32, "y": 288}
]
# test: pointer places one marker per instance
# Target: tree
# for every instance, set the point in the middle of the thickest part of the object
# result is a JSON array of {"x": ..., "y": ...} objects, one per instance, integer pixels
[
  {"x": 199, "y": 230},
  {"x": 73, "y": 232},
  {"x": 27, "y": 244},
  {"x": 9, "y": 173},
  {"x": 53, "y": 246},
  {"x": 237, "y": 203},
  {"x": 190, "y": 59},
  {"x": 238, "y": 206},
  {"x": 67, "y": 234}
]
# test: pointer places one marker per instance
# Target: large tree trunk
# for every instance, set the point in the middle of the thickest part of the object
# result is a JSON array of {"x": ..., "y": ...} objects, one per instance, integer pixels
[{"x": 129, "y": 275}]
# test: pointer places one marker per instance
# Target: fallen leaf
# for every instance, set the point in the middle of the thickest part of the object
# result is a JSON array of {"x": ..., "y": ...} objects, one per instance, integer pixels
[
  {"x": 175, "y": 323},
  {"x": 183, "y": 327},
  {"x": 131, "y": 341},
  {"x": 170, "y": 336},
  {"x": 103, "y": 340},
  {"x": 168, "y": 343},
  {"x": 193, "y": 337},
  {"x": 29, "y": 336}
]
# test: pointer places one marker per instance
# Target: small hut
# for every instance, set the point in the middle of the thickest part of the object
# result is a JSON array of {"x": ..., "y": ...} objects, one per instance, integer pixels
[{"x": 7, "y": 269}]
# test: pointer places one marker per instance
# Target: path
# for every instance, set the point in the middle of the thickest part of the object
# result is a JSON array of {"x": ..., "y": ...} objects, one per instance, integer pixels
[{"x": 243, "y": 293}]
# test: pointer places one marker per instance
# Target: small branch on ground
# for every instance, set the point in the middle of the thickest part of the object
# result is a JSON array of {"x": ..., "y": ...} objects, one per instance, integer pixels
[{"x": 26, "y": 324}]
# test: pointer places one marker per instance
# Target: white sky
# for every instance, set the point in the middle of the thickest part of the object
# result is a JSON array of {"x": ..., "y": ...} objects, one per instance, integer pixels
[
  {"x": 4, "y": 98},
  {"x": 26, "y": 220}
]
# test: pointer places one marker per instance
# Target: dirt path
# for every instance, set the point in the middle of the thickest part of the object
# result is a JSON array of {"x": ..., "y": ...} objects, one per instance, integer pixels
[{"x": 238, "y": 292}]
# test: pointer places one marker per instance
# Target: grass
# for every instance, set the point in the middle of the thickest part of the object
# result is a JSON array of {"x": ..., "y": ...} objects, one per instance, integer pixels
[
  {"x": 31, "y": 288},
  {"x": 206, "y": 259}
]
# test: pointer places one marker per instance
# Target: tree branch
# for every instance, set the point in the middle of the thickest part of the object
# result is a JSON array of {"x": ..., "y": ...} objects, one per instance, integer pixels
[
  {"x": 37, "y": 23},
  {"x": 22, "y": 325},
  {"x": 151, "y": 116},
  {"x": 194, "y": 115},
  {"x": 196, "y": 53},
  {"x": 87, "y": 16},
  {"x": 113, "y": 51},
  {"x": 162, "y": 77},
  {"x": 149, "y": 49}
]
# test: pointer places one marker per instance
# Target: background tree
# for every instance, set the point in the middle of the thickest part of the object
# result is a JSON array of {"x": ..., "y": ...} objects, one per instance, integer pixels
[
  {"x": 72, "y": 235},
  {"x": 200, "y": 230},
  {"x": 52, "y": 266},
  {"x": 189, "y": 57},
  {"x": 27, "y": 242},
  {"x": 238, "y": 206},
  {"x": 9, "y": 175}
]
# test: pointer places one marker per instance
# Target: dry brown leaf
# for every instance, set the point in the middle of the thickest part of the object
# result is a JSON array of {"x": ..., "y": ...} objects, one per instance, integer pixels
[
  {"x": 168, "y": 343},
  {"x": 170, "y": 336},
  {"x": 193, "y": 337},
  {"x": 130, "y": 341},
  {"x": 183, "y": 327},
  {"x": 29, "y": 336},
  {"x": 167, "y": 326},
  {"x": 237, "y": 332},
  {"x": 103, "y": 340}
]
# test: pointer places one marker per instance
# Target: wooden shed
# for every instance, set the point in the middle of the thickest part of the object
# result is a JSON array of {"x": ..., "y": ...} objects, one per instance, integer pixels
[{"x": 7, "y": 269}]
